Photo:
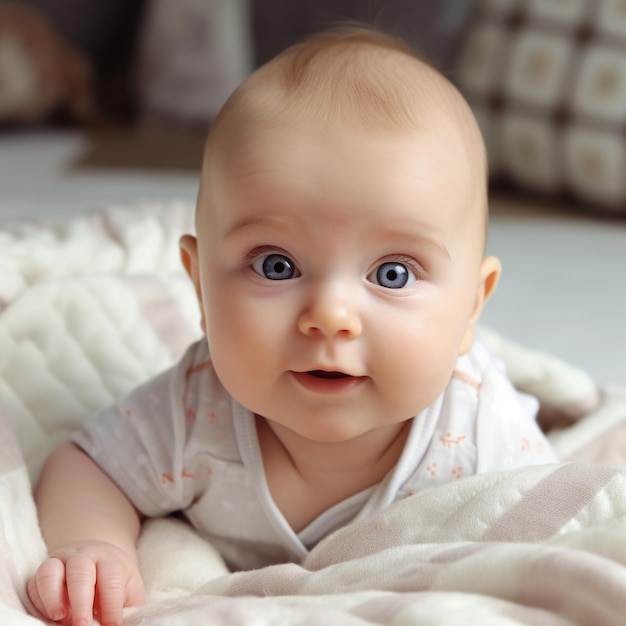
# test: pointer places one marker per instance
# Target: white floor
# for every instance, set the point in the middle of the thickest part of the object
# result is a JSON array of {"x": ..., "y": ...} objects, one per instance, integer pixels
[
  {"x": 564, "y": 284},
  {"x": 563, "y": 289},
  {"x": 37, "y": 179}
]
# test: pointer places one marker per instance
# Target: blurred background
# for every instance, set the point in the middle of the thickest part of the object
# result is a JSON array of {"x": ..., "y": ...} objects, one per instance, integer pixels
[
  {"x": 108, "y": 101},
  {"x": 124, "y": 52}
]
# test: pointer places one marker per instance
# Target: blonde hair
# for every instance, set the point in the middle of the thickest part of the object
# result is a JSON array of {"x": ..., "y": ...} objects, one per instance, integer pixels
[{"x": 349, "y": 73}]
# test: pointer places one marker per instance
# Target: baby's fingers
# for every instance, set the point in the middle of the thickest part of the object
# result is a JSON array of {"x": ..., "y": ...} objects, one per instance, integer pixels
[
  {"x": 112, "y": 581},
  {"x": 80, "y": 577},
  {"x": 46, "y": 590}
]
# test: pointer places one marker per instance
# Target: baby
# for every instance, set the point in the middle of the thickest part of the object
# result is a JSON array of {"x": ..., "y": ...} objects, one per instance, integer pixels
[{"x": 339, "y": 265}]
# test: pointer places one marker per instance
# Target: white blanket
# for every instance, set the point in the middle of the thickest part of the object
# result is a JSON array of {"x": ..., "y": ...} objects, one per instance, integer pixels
[{"x": 92, "y": 308}]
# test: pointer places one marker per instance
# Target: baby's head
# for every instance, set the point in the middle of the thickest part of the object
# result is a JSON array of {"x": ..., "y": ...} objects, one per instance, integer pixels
[{"x": 341, "y": 226}]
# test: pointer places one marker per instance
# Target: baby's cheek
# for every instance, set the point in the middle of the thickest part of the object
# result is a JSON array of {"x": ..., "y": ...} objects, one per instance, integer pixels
[{"x": 421, "y": 369}]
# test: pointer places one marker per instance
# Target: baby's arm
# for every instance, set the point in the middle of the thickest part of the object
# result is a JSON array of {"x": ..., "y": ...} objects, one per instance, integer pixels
[{"x": 90, "y": 528}]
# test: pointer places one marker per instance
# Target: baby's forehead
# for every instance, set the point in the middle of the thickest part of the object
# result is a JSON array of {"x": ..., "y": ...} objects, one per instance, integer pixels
[
  {"x": 250, "y": 135},
  {"x": 406, "y": 170}
]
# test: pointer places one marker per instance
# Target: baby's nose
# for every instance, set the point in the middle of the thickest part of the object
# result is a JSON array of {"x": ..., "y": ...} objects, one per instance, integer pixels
[{"x": 331, "y": 314}]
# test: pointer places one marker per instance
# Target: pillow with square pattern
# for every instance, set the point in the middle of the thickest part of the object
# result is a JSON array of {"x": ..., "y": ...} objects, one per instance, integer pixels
[{"x": 547, "y": 82}]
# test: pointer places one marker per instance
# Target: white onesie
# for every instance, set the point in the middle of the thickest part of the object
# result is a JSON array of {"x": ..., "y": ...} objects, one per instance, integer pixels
[{"x": 181, "y": 443}]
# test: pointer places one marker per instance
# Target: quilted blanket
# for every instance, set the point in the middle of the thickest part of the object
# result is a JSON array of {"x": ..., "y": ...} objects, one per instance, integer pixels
[{"x": 90, "y": 308}]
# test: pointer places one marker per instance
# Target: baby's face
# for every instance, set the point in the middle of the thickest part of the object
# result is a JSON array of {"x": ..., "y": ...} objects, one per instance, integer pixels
[{"x": 340, "y": 273}]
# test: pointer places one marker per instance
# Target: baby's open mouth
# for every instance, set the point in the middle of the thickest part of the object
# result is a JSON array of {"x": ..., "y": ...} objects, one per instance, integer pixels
[
  {"x": 324, "y": 382},
  {"x": 325, "y": 374}
]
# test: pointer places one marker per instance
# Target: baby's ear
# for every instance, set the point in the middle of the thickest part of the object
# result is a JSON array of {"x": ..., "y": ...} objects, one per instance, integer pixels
[
  {"x": 189, "y": 257},
  {"x": 490, "y": 271}
]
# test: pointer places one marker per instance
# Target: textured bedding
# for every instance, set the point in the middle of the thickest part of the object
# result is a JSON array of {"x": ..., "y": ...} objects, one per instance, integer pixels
[{"x": 92, "y": 307}]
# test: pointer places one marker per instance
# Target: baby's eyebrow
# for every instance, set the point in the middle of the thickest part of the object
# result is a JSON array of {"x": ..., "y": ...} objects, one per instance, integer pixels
[
  {"x": 409, "y": 235},
  {"x": 254, "y": 221},
  {"x": 417, "y": 236}
]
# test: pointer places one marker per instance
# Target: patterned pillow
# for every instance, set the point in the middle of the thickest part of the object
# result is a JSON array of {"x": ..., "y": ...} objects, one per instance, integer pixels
[{"x": 547, "y": 81}]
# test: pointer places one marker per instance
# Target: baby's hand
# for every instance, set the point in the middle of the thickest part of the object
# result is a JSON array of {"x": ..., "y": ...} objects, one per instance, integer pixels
[{"x": 86, "y": 577}]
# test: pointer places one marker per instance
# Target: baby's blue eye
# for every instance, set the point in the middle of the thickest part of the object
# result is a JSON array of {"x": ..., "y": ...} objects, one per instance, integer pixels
[
  {"x": 275, "y": 267},
  {"x": 393, "y": 275}
]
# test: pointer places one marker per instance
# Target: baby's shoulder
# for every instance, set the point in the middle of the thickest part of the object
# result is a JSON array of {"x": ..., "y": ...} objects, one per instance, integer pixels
[
  {"x": 196, "y": 375},
  {"x": 477, "y": 369},
  {"x": 209, "y": 410}
]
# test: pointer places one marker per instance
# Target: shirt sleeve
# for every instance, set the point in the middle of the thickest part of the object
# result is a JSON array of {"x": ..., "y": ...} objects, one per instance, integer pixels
[
  {"x": 508, "y": 435},
  {"x": 140, "y": 443}
]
